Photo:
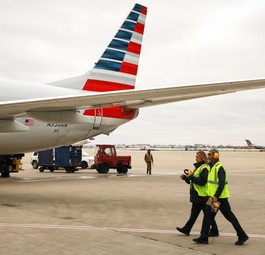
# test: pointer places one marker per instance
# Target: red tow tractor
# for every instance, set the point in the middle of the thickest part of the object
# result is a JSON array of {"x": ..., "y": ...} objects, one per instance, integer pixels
[{"x": 106, "y": 158}]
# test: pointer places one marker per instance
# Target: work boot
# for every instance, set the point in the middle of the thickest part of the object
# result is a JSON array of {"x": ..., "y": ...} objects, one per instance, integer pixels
[
  {"x": 241, "y": 240},
  {"x": 200, "y": 240},
  {"x": 183, "y": 231}
]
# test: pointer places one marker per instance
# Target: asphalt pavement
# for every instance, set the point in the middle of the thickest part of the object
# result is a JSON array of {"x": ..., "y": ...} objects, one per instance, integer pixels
[{"x": 90, "y": 213}]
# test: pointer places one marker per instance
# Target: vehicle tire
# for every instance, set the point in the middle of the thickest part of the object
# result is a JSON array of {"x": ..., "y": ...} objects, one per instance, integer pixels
[
  {"x": 68, "y": 169},
  {"x": 119, "y": 169},
  {"x": 35, "y": 165},
  {"x": 51, "y": 169},
  {"x": 103, "y": 169},
  {"x": 124, "y": 169},
  {"x": 84, "y": 165},
  {"x": 5, "y": 174},
  {"x": 41, "y": 169}
]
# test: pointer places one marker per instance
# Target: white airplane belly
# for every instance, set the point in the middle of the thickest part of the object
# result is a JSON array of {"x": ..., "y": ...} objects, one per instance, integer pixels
[{"x": 41, "y": 135}]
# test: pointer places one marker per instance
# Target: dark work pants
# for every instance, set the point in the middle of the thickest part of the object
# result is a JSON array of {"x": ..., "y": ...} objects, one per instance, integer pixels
[
  {"x": 195, "y": 211},
  {"x": 228, "y": 214},
  {"x": 149, "y": 167}
]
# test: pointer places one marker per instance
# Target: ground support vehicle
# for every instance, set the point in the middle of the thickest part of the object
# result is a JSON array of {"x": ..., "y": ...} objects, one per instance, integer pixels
[
  {"x": 10, "y": 163},
  {"x": 106, "y": 158},
  {"x": 34, "y": 161},
  {"x": 68, "y": 157},
  {"x": 87, "y": 160},
  {"x": 45, "y": 159}
]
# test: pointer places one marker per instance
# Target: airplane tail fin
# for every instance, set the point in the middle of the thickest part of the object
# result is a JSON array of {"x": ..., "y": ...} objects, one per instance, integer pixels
[
  {"x": 117, "y": 67},
  {"x": 249, "y": 143}
]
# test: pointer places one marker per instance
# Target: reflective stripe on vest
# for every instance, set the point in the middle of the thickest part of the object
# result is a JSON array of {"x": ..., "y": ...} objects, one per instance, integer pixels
[
  {"x": 201, "y": 190},
  {"x": 213, "y": 181}
]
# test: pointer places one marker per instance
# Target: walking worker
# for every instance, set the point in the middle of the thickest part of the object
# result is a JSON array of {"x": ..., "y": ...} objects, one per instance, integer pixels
[
  {"x": 198, "y": 192},
  {"x": 149, "y": 160},
  {"x": 218, "y": 192}
]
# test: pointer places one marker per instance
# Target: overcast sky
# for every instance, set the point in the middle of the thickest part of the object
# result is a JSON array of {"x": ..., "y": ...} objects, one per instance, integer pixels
[{"x": 186, "y": 42}]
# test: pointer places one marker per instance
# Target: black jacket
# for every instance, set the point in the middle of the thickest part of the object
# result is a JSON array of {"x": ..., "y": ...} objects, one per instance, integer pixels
[{"x": 200, "y": 180}]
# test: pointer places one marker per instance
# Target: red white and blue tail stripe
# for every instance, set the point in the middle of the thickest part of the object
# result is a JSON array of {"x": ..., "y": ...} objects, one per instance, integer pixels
[{"x": 118, "y": 65}]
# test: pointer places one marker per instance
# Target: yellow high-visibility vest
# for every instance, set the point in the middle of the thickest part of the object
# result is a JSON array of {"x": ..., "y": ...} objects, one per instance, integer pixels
[
  {"x": 201, "y": 190},
  {"x": 213, "y": 181}
]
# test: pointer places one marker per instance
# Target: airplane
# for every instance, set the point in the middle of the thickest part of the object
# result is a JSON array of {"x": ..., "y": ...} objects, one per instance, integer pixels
[
  {"x": 36, "y": 117},
  {"x": 253, "y": 146}
]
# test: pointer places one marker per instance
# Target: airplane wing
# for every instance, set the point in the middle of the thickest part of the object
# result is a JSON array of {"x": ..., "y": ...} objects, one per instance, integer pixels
[
  {"x": 110, "y": 83},
  {"x": 62, "y": 99}
]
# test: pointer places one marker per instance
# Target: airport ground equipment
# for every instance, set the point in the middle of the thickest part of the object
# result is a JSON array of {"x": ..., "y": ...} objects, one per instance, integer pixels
[
  {"x": 106, "y": 158},
  {"x": 10, "y": 163},
  {"x": 67, "y": 157},
  {"x": 87, "y": 160},
  {"x": 46, "y": 161}
]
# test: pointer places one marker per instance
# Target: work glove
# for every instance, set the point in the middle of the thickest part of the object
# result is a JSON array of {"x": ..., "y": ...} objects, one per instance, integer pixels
[
  {"x": 212, "y": 201},
  {"x": 188, "y": 172}
]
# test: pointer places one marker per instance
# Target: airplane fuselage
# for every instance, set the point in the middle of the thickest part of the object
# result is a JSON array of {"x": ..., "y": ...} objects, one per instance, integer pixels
[{"x": 41, "y": 135}]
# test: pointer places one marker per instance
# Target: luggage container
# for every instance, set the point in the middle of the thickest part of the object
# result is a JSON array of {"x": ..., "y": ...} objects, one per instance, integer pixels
[
  {"x": 68, "y": 157},
  {"x": 46, "y": 160}
]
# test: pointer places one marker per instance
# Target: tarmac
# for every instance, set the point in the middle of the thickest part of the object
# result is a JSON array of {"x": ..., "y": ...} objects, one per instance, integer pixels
[{"x": 90, "y": 213}]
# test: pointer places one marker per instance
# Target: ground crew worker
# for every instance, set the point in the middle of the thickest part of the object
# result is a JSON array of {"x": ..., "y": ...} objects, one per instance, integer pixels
[
  {"x": 218, "y": 191},
  {"x": 198, "y": 192},
  {"x": 148, "y": 158}
]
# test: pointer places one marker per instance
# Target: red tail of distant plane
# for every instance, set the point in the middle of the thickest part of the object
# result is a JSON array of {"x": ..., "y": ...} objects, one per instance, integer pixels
[
  {"x": 253, "y": 146},
  {"x": 250, "y": 145}
]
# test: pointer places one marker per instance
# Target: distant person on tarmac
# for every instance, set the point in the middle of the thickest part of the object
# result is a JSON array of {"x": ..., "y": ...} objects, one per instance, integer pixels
[
  {"x": 149, "y": 160},
  {"x": 197, "y": 179}
]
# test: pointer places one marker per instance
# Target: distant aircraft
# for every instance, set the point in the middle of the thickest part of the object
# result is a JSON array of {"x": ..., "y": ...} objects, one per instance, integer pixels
[
  {"x": 35, "y": 116},
  {"x": 253, "y": 146}
]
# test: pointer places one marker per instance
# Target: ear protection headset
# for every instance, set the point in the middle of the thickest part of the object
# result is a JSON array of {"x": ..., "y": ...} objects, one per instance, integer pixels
[{"x": 215, "y": 154}]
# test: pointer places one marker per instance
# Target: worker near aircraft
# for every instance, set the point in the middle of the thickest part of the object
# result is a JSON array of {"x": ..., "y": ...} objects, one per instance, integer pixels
[
  {"x": 197, "y": 179},
  {"x": 218, "y": 193},
  {"x": 149, "y": 160}
]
